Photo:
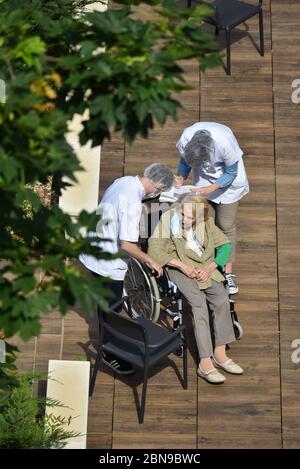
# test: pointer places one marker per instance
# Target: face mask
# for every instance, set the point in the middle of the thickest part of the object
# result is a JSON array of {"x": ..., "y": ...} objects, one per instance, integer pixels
[
  {"x": 174, "y": 225},
  {"x": 152, "y": 195}
]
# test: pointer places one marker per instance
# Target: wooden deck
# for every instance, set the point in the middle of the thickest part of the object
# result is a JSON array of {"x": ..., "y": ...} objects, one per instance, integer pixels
[{"x": 260, "y": 409}]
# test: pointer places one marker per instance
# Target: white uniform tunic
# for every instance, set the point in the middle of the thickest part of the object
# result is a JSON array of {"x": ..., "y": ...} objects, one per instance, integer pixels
[
  {"x": 120, "y": 209},
  {"x": 227, "y": 152}
]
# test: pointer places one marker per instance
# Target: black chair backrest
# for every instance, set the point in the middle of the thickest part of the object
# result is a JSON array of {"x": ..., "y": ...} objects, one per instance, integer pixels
[
  {"x": 214, "y": 18},
  {"x": 122, "y": 327}
]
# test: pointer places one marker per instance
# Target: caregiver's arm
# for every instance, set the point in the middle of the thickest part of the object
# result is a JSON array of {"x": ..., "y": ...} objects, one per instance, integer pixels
[
  {"x": 222, "y": 254},
  {"x": 134, "y": 251},
  {"x": 183, "y": 169},
  {"x": 227, "y": 178}
]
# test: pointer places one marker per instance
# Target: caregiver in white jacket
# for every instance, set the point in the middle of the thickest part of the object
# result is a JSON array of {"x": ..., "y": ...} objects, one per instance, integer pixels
[{"x": 213, "y": 153}]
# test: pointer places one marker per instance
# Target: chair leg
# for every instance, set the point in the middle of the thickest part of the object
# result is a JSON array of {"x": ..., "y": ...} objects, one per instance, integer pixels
[
  {"x": 228, "y": 69},
  {"x": 217, "y": 31},
  {"x": 189, "y": 3},
  {"x": 144, "y": 393},
  {"x": 185, "y": 368},
  {"x": 261, "y": 32},
  {"x": 95, "y": 369}
]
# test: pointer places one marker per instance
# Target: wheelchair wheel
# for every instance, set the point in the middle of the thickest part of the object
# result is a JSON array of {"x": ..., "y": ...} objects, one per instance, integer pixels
[
  {"x": 238, "y": 330},
  {"x": 141, "y": 287}
]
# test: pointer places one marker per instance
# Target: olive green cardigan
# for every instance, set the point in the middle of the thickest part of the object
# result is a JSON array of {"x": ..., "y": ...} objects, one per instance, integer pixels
[{"x": 163, "y": 246}]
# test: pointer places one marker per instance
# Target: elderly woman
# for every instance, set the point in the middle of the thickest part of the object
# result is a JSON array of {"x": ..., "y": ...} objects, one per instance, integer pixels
[{"x": 189, "y": 243}]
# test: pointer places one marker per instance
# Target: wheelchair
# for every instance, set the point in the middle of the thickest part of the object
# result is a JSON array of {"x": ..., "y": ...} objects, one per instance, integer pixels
[{"x": 150, "y": 296}]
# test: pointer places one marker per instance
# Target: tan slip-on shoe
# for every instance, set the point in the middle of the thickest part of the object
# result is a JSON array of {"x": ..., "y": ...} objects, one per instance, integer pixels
[
  {"x": 212, "y": 376},
  {"x": 230, "y": 367}
]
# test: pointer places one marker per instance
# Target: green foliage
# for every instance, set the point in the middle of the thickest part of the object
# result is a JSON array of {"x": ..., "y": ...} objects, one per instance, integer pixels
[
  {"x": 24, "y": 423},
  {"x": 8, "y": 369},
  {"x": 57, "y": 60}
]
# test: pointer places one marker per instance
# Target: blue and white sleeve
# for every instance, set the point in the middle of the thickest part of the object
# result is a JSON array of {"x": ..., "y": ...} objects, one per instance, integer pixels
[
  {"x": 227, "y": 178},
  {"x": 183, "y": 168}
]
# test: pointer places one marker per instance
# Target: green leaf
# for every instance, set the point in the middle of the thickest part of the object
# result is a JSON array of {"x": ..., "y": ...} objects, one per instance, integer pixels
[
  {"x": 9, "y": 169},
  {"x": 30, "y": 328},
  {"x": 29, "y": 48}
]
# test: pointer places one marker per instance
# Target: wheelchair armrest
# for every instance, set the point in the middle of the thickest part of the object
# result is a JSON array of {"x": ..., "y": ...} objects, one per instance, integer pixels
[{"x": 181, "y": 329}]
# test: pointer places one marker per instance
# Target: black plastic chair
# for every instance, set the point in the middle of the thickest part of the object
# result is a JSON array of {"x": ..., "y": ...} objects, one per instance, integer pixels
[
  {"x": 139, "y": 342},
  {"x": 229, "y": 14}
]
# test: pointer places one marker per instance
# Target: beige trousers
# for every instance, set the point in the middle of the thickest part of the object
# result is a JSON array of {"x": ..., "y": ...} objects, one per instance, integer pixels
[{"x": 214, "y": 299}]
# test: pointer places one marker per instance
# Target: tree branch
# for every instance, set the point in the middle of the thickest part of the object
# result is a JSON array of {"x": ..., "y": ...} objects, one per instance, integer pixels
[{"x": 10, "y": 69}]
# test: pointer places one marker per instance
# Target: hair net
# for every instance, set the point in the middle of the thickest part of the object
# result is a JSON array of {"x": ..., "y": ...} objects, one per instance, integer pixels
[
  {"x": 200, "y": 150},
  {"x": 159, "y": 174}
]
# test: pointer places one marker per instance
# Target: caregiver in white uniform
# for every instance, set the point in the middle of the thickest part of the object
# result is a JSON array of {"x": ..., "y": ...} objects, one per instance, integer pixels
[
  {"x": 120, "y": 210},
  {"x": 213, "y": 153}
]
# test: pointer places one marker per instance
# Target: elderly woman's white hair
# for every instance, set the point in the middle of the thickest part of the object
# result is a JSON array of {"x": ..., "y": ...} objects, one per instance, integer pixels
[{"x": 194, "y": 200}]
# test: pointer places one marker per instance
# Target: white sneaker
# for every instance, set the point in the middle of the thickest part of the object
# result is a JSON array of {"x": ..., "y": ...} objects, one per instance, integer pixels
[
  {"x": 230, "y": 367},
  {"x": 213, "y": 376},
  {"x": 232, "y": 285}
]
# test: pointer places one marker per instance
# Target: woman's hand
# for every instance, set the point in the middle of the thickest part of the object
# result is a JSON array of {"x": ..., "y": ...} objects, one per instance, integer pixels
[
  {"x": 189, "y": 271},
  {"x": 204, "y": 274}
]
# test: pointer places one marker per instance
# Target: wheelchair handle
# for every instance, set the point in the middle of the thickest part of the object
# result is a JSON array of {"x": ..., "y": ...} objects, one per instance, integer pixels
[{"x": 152, "y": 271}]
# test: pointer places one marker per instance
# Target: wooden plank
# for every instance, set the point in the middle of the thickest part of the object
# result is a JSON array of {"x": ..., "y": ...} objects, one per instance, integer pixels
[
  {"x": 170, "y": 416},
  {"x": 248, "y": 403},
  {"x": 237, "y": 440},
  {"x": 286, "y": 45},
  {"x": 112, "y": 162},
  {"x": 52, "y": 323},
  {"x": 48, "y": 348},
  {"x": 26, "y": 357}
]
